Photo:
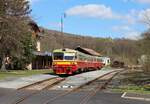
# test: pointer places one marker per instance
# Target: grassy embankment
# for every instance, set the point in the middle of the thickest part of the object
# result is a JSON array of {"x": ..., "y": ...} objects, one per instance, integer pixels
[
  {"x": 135, "y": 81},
  {"x": 22, "y": 73},
  {"x": 132, "y": 89}
]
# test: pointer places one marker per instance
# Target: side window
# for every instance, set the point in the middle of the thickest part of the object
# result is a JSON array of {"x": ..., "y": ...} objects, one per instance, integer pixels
[{"x": 80, "y": 57}]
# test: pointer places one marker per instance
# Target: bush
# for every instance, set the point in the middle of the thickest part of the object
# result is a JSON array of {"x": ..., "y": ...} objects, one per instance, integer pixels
[{"x": 147, "y": 87}]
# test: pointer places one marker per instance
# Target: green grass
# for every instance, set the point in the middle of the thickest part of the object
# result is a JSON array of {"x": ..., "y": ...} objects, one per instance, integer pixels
[
  {"x": 132, "y": 89},
  {"x": 134, "y": 81},
  {"x": 22, "y": 73}
]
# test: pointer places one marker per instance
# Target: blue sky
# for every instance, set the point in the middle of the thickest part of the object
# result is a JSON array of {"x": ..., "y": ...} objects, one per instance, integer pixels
[{"x": 97, "y": 18}]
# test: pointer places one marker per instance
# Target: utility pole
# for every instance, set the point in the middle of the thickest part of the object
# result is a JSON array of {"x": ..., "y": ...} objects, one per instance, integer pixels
[
  {"x": 62, "y": 27},
  {"x": 62, "y": 23}
]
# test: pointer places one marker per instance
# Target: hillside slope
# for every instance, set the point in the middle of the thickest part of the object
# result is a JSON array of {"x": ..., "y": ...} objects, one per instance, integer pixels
[{"x": 122, "y": 49}]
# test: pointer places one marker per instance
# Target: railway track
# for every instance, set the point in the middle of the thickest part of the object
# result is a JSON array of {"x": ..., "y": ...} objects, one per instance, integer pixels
[
  {"x": 38, "y": 87},
  {"x": 48, "y": 84},
  {"x": 91, "y": 93},
  {"x": 102, "y": 85}
]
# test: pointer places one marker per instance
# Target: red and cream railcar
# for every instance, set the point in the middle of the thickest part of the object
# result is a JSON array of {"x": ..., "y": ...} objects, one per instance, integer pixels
[{"x": 68, "y": 61}]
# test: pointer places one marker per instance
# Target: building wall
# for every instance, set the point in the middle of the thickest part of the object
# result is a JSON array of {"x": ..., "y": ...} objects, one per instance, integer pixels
[
  {"x": 38, "y": 45},
  {"x": 42, "y": 62}
]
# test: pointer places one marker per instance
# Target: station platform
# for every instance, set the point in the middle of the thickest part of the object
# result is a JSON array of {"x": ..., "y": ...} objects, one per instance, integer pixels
[
  {"x": 78, "y": 80},
  {"x": 70, "y": 82},
  {"x": 16, "y": 83}
]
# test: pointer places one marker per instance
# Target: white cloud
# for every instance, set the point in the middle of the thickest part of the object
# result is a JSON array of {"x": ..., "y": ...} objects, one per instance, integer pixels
[
  {"x": 144, "y": 16},
  {"x": 128, "y": 27},
  {"x": 127, "y": 31},
  {"x": 139, "y": 1},
  {"x": 129, "y": 19},
  {"x": 135, "y": 17},
  {"x": 121, "y": 28},
  {"x": 93, "y": 10},
  {"x": 102, "y": 12},
  {"x": 134, "y": 35},
  {"x": 143, "y": 1}
]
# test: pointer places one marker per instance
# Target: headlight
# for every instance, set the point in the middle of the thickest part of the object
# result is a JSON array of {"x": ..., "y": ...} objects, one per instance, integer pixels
[
  {"x": 73, "y": 63},
  {"x": 54, "y": 63}
]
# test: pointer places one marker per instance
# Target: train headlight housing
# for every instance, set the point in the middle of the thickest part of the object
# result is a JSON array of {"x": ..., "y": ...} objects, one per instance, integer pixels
[
  {"x": 54, "y": 63},
  {"x": 73, "y": 63}
]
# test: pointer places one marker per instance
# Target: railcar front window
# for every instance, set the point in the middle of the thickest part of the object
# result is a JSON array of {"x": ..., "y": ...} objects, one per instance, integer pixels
[
  {"x": 69, "y": 57},
  {"x": 58, "y": 56}
]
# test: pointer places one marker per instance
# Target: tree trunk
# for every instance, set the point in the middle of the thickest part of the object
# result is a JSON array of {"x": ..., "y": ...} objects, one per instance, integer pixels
[{"x": 3, "y": 68}]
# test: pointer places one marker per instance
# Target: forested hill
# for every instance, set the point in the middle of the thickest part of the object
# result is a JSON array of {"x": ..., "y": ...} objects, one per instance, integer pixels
[
  {"x": 54, "y": 39},
  {"x": 122, "y": 49}
]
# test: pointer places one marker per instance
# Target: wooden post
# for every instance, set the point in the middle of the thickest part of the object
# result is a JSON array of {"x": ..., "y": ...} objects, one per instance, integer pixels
[{"x": 43, "y": 67}]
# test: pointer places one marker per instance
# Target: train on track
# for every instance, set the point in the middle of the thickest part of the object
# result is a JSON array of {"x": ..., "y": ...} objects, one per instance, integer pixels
[{"x": 68, "y": 61}]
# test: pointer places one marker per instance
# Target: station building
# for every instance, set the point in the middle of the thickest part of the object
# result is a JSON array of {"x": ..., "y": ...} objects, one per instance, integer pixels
[
  {"x": 87, "y": 51},
  {"x": 42, "y": 60}
]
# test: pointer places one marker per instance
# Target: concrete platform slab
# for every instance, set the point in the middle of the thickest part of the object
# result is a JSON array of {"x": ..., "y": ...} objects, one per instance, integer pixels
[
  {"x": 16, "y": 83},
  {"x": 80, "y": 79}
]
